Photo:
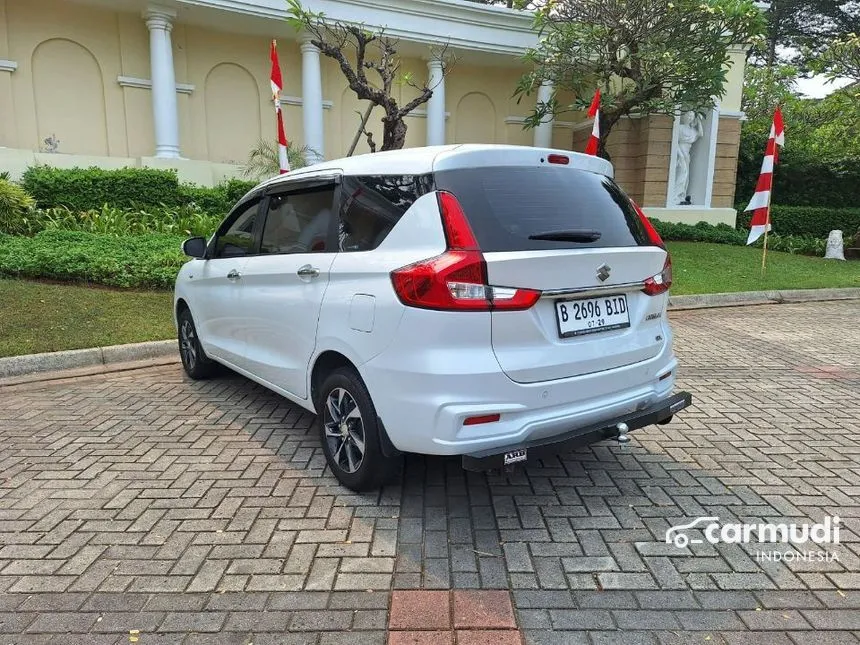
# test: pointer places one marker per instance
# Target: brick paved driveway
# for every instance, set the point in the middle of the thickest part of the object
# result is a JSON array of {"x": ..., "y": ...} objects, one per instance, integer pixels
[{"x": 202, "y": 512}]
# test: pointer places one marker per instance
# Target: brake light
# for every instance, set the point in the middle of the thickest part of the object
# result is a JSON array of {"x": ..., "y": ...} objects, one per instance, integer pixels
[
  {"x": 653, "y": 236},
  {"x": 559, "y": 159},
  {"x": 456, "y": 280},
  {"x": 660, "y": 283}
]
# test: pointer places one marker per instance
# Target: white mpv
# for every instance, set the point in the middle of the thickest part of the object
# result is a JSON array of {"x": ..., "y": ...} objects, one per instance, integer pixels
[{"x": 494, "y": 302}]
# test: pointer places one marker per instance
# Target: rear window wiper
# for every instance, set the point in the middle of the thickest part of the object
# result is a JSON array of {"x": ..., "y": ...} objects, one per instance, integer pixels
[{"x": 583, "y": 235}]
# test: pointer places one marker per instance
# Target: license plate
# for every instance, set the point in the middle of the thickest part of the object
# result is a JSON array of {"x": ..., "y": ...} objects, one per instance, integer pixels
[{"x": 591, "y": 315}]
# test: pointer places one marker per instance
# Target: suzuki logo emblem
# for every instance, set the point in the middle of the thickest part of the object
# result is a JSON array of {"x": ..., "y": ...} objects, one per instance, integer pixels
[{"x": 603, "y": 272}]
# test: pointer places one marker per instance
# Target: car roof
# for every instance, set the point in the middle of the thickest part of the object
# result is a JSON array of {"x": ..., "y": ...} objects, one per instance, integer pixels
[{"x": 419, "y": 161}]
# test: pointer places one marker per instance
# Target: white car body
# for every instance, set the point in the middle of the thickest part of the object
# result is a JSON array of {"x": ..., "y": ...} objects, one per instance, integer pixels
[{"x": 427, "y": 371}]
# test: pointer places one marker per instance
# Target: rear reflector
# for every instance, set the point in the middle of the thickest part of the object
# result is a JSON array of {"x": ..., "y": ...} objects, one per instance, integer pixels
[
  {"x": 486, "y": 418},
  {"x": 663, "y": 377},
  {"x": 560, "y": 159}
]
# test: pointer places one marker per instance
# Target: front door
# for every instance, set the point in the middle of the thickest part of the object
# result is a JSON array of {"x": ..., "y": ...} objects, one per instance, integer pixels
[
  {"x": 216, "y": 289},
  {"x": 283, "y": 286}
]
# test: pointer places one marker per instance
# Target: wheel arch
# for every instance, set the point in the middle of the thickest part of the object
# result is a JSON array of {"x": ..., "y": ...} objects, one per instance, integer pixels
[{"x": 324, "y": 364}]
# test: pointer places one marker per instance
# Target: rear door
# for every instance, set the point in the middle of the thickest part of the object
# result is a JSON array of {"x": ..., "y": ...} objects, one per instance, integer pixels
[
  {"x": 284, "y": 284},
  {"x": 575, "y": 236}
]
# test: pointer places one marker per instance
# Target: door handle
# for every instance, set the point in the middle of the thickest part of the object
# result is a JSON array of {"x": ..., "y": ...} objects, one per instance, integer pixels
[
  {"x": 234, "y": 275},
  {"x": 308, "y": 271}
]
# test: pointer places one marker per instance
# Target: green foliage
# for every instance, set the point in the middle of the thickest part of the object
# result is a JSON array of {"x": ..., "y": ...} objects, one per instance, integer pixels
[
  {"x": 263, "y": 162},
  {"x": 217, "y": 201},
  {"x": 145, "y": 261},
  {"x": 84, "y": 189},
  {"x": 820, "y": 163},
  {"x": 812, "y": 221},
  {"x": 841, "y": 57},
  {"x": 725, "y": 234},
  {"x": 16, "y": 207},
  {"x": 646, "y": 56},
  {"x": 107, "y": 220},
  {"x": 129, "y": 189}
]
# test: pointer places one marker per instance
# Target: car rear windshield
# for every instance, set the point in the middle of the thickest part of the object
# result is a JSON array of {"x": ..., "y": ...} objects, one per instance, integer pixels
[{"x": 507, "y": 206}]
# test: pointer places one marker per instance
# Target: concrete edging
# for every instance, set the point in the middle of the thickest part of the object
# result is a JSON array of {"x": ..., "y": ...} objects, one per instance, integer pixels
[
  {"x": 12, "y": 366},
  {"x": 740, "y": 298},
  {"x": 165, "y": 351}
]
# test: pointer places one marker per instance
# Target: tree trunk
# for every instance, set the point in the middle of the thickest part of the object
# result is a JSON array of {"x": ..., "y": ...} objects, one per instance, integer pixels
[{"x": 393, "y": 133}]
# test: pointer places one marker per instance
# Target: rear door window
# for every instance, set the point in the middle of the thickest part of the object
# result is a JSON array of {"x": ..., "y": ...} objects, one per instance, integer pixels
[
  {"x": 372, "y": 204},
  {"x": 508, "y": 205}
]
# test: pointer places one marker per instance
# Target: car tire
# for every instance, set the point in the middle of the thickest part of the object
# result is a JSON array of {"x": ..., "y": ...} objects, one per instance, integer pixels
[
  {"x": 194, "y": 360},
  {"x": 350, "y": 433}
]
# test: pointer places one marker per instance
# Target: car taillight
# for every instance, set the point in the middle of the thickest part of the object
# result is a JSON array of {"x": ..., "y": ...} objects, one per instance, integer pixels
[
  {"x": 653, "y": 236},
  {"x": 660, "y": 283},
  {"x": 457, "y": 279}
]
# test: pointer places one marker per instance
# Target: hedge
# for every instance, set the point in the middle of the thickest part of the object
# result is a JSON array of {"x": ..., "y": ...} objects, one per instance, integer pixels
[
  {"x": 816, "y": 221},
  {"x": 217, "y": 201},
  {"x": 83, "y": 189},
  {"x": 802, "y": 178},
  {"x": 145, "y": 261},
  {"x": 725, "y": 234},
  {"x": 88, "y": 189}
]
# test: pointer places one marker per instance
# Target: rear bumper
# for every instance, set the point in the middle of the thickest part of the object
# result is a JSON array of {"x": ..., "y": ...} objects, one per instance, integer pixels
[{"x": 520, "y": 453}]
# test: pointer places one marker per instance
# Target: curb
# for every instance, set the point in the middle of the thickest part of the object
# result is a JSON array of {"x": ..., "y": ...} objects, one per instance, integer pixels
[
  {"x": 106, "y": 357},
  {"x": 742, "y": 298},
  {"x": 163, "y": 352}
]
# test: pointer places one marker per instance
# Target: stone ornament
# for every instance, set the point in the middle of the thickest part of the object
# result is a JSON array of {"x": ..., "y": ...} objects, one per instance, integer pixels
[
  {"x": 835, "y": 247},
  {"x": 689, "y": 131}
]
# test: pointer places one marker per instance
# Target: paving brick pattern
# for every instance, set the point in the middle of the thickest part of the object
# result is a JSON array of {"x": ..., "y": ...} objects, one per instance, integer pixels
[{"x": 203, "y": 512}]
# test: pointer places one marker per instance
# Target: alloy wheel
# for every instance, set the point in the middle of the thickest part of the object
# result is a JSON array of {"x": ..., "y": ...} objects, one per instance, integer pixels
[
  {"x": 188, "y": 344},
  {"x": 344, "y": 430}
]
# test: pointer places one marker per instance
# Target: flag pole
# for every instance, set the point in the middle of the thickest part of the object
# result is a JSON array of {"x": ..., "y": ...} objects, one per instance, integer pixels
[{"x": 764, "y": 248}]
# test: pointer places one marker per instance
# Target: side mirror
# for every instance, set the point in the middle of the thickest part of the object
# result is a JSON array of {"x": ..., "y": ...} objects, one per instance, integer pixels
[{"x": 194, "y": 247}]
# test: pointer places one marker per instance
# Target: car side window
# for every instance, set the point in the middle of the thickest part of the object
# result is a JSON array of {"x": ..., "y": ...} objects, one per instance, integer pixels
[
  {"x": 372, "y": 204},
  {"x": 298, "y": 222},
  {"x": 238, "y": 239}
]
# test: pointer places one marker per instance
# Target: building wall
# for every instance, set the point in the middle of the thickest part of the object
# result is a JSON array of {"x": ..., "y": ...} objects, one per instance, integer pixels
[{"x": 70, "y": 57}]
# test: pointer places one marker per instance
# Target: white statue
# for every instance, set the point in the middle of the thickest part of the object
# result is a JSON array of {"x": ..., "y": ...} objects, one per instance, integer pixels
[
  {"x": 689, "y": 131},
  {"x": 835, "y": 247}
]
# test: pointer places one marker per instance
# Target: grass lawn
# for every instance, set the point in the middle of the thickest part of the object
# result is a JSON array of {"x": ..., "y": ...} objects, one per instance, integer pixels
[
  {"x": 717, "y": 268},
  {"x": 44, "y": 317}
]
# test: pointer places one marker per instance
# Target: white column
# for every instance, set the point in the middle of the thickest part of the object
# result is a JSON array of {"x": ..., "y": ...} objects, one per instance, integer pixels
[
  {"x": 543, "y": 132},
  {"x": 164, "y": 109},
  {"x": 436, "y": 104},
  {"x": 312, "y": 102}
]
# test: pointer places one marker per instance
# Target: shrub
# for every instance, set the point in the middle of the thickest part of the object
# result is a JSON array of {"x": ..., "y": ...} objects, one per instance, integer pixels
[
  {"x": 145, "y": 261},
  {"x": 16, "y": 208},
  {"x": 84, "y": 189},
  {"x": 802, "y": 177},
  {"x": 816, "y": 221},
  {"x": 182, "y": 220},
  {"x": 725, "y": 234},
  {"x": 217, "y": 201}
]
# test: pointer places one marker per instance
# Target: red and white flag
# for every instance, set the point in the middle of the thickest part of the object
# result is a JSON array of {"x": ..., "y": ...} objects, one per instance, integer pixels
[
  {"x": 594, "y": 113},
  {"x": 277, "y": 86},
  {"x": 760, "y": 202}
]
